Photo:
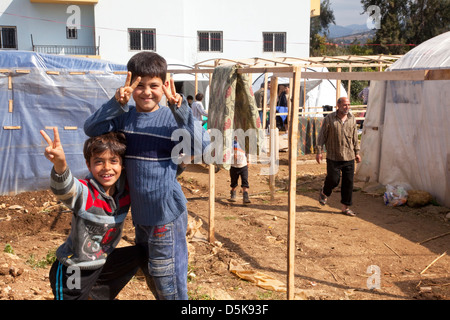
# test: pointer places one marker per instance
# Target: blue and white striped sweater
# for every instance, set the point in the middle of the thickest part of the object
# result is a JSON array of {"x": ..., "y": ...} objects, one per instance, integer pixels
[{"x": 156, "y": 195}]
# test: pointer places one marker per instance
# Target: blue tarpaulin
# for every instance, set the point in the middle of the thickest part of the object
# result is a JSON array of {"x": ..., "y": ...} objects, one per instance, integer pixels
[{"x": 40, "y": 91}]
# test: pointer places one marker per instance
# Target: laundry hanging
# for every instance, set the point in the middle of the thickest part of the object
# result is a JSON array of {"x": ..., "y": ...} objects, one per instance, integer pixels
[{"x": 233, "y": 113}]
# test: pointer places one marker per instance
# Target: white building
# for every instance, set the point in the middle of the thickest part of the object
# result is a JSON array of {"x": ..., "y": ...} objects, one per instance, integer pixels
[{"x": 182, "y": 31}]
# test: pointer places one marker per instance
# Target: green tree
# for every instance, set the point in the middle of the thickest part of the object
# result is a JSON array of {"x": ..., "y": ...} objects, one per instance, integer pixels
[
  {"x": 427, "y": 19},
  {"x": 405, "y": 23},
  {"x": 320, "y": 25},
  {"x": 390, "y": 38}
]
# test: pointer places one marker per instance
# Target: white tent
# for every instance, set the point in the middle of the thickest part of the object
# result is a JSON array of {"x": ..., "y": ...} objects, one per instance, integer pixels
[
  {"x": 406, "y": 136},
  {"x": 319, "y": 92}
]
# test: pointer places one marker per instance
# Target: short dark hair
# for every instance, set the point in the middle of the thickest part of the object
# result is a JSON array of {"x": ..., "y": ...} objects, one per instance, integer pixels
[
  {"x": 199, "y": 96},
  {"x": 147, "y": 63},
  {"x": 112, "y": 141}
]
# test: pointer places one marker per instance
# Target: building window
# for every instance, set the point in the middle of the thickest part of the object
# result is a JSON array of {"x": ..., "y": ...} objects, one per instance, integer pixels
[
  {"x": 142, "y": 39},
  {"x": 210, "y": 41},
  {"x": 8, "y": 37},
  {"x": 71, "y": 33},
  {"x": 274, "y": 41}
]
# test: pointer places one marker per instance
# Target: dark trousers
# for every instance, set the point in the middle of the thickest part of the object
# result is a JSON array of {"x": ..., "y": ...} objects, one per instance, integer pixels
[
  {"x": 235, "y": 173},
  {"x": 104, "y": 283},
  {"x": 334, "y": 171}
]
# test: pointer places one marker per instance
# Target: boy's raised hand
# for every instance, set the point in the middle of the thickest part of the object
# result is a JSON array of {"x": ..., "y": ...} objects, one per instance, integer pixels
[
  {"x": 123, "y": 94},
  {"x": 55, "y": 152},
  {"x": 172, "y": 96}
]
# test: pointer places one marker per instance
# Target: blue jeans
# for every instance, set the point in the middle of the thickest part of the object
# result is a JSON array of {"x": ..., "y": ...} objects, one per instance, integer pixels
[{"x": 166, "y": 246}]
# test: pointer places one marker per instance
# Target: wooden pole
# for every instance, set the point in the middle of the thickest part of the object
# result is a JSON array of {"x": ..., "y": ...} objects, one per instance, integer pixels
[
  {"x": 273, "y": 132},
  {"x": 338, "y": 86},
  {"x": 304, "y": 96},
  {"x": 212, "y": 188},
  {"x": 349, "y": 93},
  {"x": 293, "y": 132},
  {"x": 212, "y": 194},
  {"x": 289, "y": 105},
  {"x": 196, "y": 84},
  {"x": 168, "y": 79},
  {"x": 264, "y": 104}
]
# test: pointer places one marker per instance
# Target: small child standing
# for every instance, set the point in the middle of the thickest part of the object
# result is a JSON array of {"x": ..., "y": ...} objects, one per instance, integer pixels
[
  {"x": 239, "y": 168},
  {"x": 197, "y": 108},
  {"x": 88, "y": 264}
]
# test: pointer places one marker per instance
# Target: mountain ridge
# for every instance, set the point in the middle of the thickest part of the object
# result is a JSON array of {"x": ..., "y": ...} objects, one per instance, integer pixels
[{"x": 337, "y": 31}]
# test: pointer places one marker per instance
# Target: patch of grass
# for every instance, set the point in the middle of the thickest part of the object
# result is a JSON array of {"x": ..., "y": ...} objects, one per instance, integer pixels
[
  {"x": 43, "y": 263},
  {"x": 197, "y": 295},
  {"x": 8, "y": 249},
  {"x": 268, "y": 295}
]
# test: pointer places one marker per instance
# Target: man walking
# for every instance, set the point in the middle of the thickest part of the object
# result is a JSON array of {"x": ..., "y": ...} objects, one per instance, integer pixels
[{"x": 340, "y": 136}]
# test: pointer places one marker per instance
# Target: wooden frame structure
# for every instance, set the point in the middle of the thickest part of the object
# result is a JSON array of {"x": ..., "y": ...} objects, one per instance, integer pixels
[{"x": 292, "y": 68}]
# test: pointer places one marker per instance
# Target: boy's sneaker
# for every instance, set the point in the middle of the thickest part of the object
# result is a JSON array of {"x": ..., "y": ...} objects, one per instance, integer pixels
[
  {"x": 246, "y": 198},
  {"x": 233, "y": 196},
  {"x": 322, "y": 198}
]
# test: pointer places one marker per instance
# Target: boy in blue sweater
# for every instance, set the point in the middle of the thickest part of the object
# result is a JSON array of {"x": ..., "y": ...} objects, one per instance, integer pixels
[
  {"x": 158, "y": 204},
  {"x": 88, "y": 264}
]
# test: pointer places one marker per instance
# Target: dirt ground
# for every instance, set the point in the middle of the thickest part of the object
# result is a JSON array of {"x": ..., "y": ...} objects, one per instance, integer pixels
[{"x": 384, "y": 253}]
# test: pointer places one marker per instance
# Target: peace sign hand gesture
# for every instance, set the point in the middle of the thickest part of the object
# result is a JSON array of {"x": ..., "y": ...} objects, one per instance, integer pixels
[
  {"x": 123, "y": 94},
  {"x": 172, "y": 96},
  {"x": 55, "y": 152}
]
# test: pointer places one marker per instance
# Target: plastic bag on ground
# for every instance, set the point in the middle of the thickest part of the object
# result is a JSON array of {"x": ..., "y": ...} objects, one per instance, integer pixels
[{"x": 395, "y": 195}]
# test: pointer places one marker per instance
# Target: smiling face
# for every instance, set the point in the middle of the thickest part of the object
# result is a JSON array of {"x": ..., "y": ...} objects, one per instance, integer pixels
[
  {"x": 148, "y": 94},
  {"x": 106, "y": 168}
]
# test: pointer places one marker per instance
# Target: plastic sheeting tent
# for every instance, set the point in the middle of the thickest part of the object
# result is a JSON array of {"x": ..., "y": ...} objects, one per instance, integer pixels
[
  {"x": 319, "y": 92},
  {"x": 406, "y": 137},
  {"x": 39, "y": 91}
]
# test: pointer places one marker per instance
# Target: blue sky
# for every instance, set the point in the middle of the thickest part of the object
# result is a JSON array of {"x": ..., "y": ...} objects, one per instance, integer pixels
[{"x": 347, "y": 12}]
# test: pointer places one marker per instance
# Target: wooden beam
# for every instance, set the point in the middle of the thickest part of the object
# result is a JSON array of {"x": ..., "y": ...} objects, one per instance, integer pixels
[
  {"x": 187, "y": 71},
  {"x": 438, "y": 74},
  {"x": 196, "y": 85},
  {"x": 349, "y": 92},
  {"x": 266, "y": 69},
  {"x": 338, "y": 85},
  {"x": 289, "y": 106},
  {"x": 273, "y": 131},
  {"x": 293, "y": 132},
  {"x": 264, "y": 106},
  {"x": 403, "y": 75},
  {"x": 212, "y": 194}
]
